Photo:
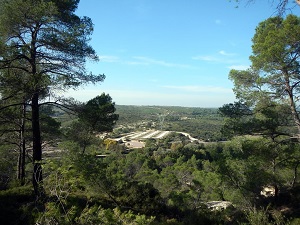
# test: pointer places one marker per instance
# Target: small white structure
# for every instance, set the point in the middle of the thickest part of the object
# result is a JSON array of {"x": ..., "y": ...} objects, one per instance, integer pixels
[
  {"x": 218, "y": 205},
  {"x": 268, "y": 191},
  {"x": 135, "y": 144}
]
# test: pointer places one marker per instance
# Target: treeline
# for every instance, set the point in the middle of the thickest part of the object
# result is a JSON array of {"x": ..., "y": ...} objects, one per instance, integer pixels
[{"x": 170, "y": 181}]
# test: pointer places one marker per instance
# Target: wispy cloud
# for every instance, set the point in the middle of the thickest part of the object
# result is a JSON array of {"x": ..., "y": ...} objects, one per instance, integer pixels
[
  {"x": 136, "y": 63},
  {"x": 141, "y": 60},
  {"x": 109, "y": 58},
  {"x": 208, "y": 58},
  {"x": 222, "y": 52},
  {"x": 195, "y": 88},
  {"x": 220, "y": 57},
  {"x": 239, "y": 67}
]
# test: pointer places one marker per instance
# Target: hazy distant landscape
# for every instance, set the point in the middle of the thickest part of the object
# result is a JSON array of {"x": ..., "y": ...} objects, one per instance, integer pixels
[{"x": 201, "y": 123}]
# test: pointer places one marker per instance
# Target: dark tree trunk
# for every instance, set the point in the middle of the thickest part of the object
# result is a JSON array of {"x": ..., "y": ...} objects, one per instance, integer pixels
[
  {"x": 295, "y": 174},
  {"x": 22, "y": 154},
  {"x": 294, "y": 112},
  {"x": 37, "y": 178}
]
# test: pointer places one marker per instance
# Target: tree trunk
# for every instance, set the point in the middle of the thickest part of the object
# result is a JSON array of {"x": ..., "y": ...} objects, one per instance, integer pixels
[
  {"x": 294, "y": 112},
  {"x": 295, "y": 174},
  {"x": 37, "y": 178},
  {"x": 21, "y": 163}
]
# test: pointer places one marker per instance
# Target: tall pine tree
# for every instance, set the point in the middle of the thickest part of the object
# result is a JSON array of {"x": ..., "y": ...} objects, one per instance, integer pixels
[{"x": 47, "y": 44}]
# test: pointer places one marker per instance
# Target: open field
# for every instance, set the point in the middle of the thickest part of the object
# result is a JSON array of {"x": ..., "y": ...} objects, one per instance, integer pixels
[
  {"x": 157, "y": 134},
  {"x": 137, "y": 139}
]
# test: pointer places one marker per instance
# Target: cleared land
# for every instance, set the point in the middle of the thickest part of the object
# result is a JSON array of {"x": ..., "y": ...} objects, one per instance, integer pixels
[{"x": 157, "y": 134}]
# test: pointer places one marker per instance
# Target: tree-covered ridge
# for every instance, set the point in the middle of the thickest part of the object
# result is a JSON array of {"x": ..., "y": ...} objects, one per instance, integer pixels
[
  {"x": 171, "y": 180},
  {"x": 201, "y": 123}
]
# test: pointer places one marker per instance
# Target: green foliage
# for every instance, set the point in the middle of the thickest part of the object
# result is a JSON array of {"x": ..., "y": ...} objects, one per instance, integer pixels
[
  {"x": 235, "y": 110},
  {"x": 98, "y": 215},
  {"x": 82, "y": 135},
  {"x": 44, "y": 47},
  {"x": 94, "y": 117},
  {"x": 270, "y": 88},
  {"x": 171, "y": 180},
  {"x": 141, "y": 188},
  {"x": 201, "y": 123},
  {"x": 273, "y": 76},
  {"x": 50, "y": 128},
  {"x": 262, "y": 216},
  {"x": 7, "y": 166},
  {"x": 267, "y": 118},
  {"x": 99, "y": 113},
  {"x": 209, "y": 185}
]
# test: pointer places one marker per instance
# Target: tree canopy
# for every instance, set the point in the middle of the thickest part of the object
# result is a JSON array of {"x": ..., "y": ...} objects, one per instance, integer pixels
[
  {"x": 99, "y": 113},
  {"x": 274, "y": 73},
  {"x": 44, "y": 46}
]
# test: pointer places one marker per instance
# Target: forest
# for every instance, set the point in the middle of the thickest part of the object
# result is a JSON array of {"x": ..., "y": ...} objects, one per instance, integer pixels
[
  {"x": 60, "y": 163},
  {"x": 201, "y": 123}
]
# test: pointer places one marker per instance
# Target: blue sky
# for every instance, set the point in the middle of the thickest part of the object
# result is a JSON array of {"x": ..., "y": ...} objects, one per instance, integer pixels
[{"x": 170, "y": 52}]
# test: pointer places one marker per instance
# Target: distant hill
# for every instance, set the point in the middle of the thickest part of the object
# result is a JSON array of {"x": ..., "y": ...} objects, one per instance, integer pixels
[{"x": 201, "y": 123}]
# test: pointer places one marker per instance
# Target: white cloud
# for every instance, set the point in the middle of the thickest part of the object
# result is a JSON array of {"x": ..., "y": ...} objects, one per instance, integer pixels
[
  {"x": 208, "y": 58},
  {"x": 239, "y": 67},
  {"x": 220, "y": 57},
  {"x": 134, "y": 63},
  {"x": 222, "y": 52},
  {"x": 141, "y": 60},
  {"x": 109, "y": 58},
  {"x": 149, "y": 61}
]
